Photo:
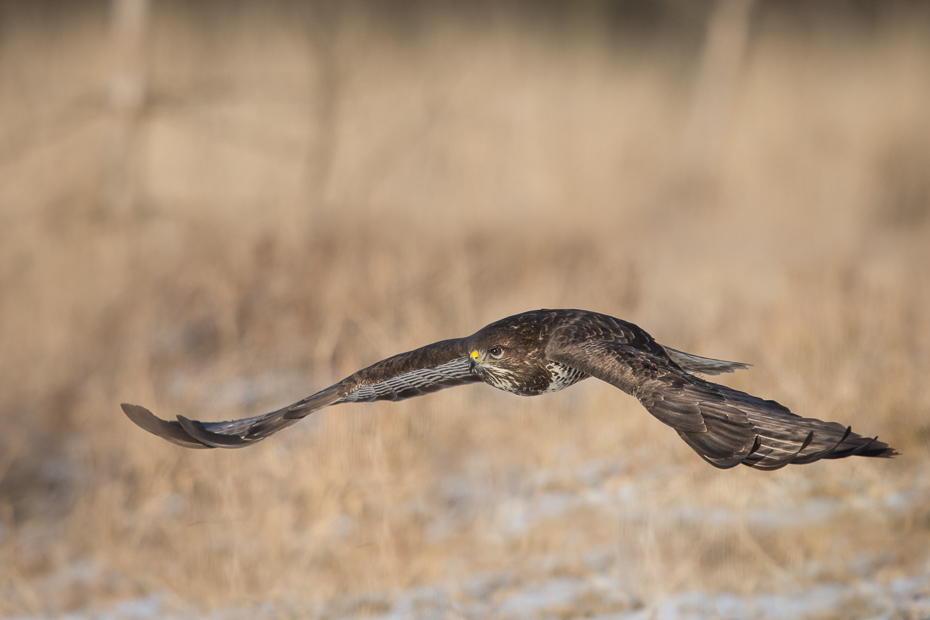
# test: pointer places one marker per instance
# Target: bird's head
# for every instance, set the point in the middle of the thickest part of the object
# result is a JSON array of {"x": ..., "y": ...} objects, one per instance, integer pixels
[
  {"x": 497, "y": 363},
  {"x": 510, "y": 355},
  {"x": 504, "y": 347},
  {"x": 487, "y": 354}
]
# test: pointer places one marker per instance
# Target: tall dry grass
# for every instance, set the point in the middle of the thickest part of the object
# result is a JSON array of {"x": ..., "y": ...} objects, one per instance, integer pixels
[{"x": 316, "y": 190}]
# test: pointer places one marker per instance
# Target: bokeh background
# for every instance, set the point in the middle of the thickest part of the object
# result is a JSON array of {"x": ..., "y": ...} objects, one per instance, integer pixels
[{"x": 216, "y": 208}]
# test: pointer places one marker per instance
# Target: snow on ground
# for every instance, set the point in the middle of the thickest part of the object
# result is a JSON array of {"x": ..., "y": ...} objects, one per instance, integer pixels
[
  {"x": 497, "y": 596},
  {"x": 598, "y": 595}
]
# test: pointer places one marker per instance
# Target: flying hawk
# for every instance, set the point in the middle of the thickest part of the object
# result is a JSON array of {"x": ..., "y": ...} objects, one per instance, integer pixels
[{"x": 544, "y": 351}]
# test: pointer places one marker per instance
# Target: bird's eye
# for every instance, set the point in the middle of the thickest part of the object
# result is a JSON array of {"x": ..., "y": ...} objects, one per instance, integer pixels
[{"x": 496, "y": 352}]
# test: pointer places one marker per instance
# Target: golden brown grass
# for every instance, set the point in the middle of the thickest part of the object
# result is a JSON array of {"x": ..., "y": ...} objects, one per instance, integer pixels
[{"x": 470, "y": 171}]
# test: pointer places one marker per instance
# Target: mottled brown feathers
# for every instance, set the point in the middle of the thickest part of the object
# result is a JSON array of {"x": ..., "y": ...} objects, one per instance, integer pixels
[{"x": 547, "y": 350}]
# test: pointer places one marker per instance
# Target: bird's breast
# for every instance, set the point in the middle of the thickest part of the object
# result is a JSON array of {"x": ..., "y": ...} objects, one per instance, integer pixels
[
  {"x": 531, "y": 380},
  {"x": 562, "y": 376}
]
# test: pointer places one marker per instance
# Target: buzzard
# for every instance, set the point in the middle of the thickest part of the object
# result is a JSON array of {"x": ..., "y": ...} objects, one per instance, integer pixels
[{"x": 545, "y": 351}]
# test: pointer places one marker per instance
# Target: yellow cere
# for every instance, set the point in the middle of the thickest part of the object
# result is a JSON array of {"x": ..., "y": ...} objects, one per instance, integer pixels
[{"x": 474, "y": 355}]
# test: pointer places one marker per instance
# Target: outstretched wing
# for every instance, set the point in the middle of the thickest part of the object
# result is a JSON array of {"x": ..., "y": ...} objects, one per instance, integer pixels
[
  {"x": 415, "y": 373},
  {"x": 724, "y": 426}
]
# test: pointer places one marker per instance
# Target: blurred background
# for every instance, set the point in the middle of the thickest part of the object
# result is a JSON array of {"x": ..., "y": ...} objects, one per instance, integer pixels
[{"x": 216, "y": 208}]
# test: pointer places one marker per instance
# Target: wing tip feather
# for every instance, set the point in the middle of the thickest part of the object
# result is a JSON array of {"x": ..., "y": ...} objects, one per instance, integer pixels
[
  {"x": 215, "y": 440},
  {"x": 169, "y": 431}
]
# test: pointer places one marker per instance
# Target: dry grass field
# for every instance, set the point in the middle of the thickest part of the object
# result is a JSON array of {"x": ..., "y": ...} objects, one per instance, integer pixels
[{"x": 314, "y": 188}]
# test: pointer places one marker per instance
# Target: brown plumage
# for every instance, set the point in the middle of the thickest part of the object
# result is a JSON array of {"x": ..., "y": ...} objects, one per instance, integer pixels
[{"x": 544, "y": 351}]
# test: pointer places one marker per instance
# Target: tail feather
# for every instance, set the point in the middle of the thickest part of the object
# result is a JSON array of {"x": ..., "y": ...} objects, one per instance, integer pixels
[{"x": 703, "y": 365}]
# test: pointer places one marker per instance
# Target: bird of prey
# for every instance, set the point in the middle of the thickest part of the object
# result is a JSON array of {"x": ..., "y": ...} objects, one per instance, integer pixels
[{"x": 544, "y": 351}]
